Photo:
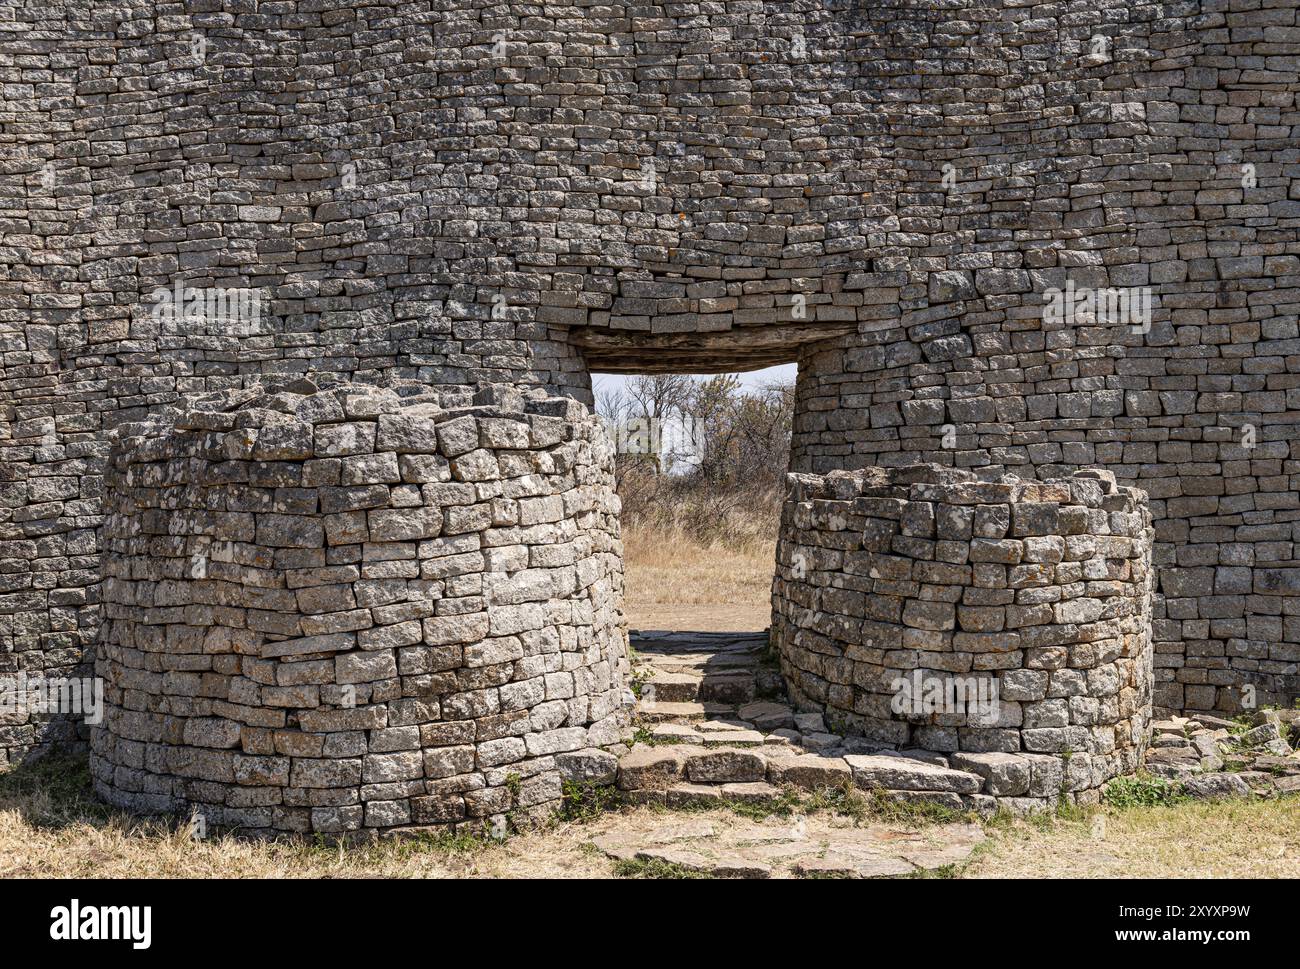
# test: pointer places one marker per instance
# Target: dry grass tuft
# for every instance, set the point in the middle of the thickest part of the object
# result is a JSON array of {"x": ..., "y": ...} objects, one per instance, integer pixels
[
  {"x": 697, "y": 559},
  {"x": 51, "y": 826},
  {"x": 1195, "y": 839},
  {"x": 731, "y": 516},
  {"x": 673, "y": 568}
]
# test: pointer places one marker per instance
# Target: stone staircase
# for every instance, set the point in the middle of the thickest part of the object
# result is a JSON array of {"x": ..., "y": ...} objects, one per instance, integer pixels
[
  {"x": 713, "y": 724},
  {"x": 693, "y": 681}
]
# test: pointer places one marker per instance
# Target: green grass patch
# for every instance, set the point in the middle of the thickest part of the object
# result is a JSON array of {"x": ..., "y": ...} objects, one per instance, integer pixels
[
  {"x": 642, "y": 735},
  {"x": 1142, "y": 790},
  {"x": 884, "y": 808},
  {"x": 585, "y": 802},
  {"x": 644, "y": 868}
]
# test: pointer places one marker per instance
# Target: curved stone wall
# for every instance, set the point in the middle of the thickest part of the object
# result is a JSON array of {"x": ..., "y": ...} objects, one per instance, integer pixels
[
  {"x": 352, "y": 609},
  {"x": 1141, "y": 147},
  {"x": 465, "y": 192},
  {"x": 977, "y": 616}
]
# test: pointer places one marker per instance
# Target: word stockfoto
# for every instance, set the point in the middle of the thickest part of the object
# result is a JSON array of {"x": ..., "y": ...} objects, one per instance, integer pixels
[{"x": 24, "y": 696}]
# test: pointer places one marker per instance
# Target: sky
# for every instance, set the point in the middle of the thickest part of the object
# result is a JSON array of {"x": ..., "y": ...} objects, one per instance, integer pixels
[{"x": 604, "y": 381}]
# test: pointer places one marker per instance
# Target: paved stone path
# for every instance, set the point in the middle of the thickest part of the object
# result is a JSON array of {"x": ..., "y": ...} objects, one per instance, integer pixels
[
  {"x": 795, "y": 848},
  {"x": 719, "y": 730}
]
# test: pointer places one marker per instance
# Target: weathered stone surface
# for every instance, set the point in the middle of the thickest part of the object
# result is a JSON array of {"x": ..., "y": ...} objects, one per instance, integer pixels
[
  {"x": 1215, "y": 787},
  {"x": 687, "y": 795},
  {"x": 675, "y": 733},
  {"x": 766, "y": 716},
  {"x": 734, "y": 738},
  {"x": 872, "y": 771},
  {"x": 809, "y": 848},
  {"x": 588, "y": 766},
  {"x": 809, "y": 772},
  {"x": 1005, "y": 775},
  {"x": 1265, "y": 733},
  {"x": 751, "y": 792},
  {"x": 725, "y": 765},
  {"x": 375, "y": 663},
  {"x": 650, "y": 768},
  {"x": 1011, "y": 636}
]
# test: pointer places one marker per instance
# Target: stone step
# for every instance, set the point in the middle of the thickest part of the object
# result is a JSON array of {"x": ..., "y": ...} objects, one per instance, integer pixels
[
  {"x": 702, "y": 662},
  {"x": 685, "y": 773},
  {"x": 686, "y": 733},
  {"x": 690, "y": 775},
  {"x": 646, "y": 767},
  {"x": 678, "y": 687},
  {"x": 662, "y": 765},
  {"x": 735, "y": 688},
  {"x": 710, "y": 732},
  {"x": 733, "y": 738},
  {"x": 725, "y": 765},
  {"x": 809, "y": 772},
  {"x": 675, "y": 733},
  {"x": 767, "y": 716},
  {"x": 658, "y": 712},
  {"x": 665, "y": 687},
  {"x": 659, "y": 641},
  {"x": 738, "y": 660},
  {"x": 895, "y": 773}
]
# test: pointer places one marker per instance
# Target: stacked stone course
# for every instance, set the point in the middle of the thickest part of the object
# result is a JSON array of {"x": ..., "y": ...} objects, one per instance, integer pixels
[
  {"x": 352, "y": 609},
  {"x": 1100, "y": 145},
  {"x": 463, "y": 192},
  {"x": 1039, "y": 589}
]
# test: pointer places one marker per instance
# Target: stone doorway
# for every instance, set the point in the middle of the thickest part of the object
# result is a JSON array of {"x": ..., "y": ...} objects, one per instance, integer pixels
[{"x": 701, "y": 465}]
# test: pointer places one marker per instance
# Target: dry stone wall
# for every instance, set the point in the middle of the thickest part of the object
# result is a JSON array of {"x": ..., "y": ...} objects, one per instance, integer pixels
[
  {"x": 1147, "y": 148},
  {"x": 1004, "y": 623},
  {"x": 352, "y": 610},
  {"x": 460, "y": 192}
]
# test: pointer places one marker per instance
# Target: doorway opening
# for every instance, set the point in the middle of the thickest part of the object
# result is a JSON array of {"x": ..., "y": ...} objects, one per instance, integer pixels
[{"x": 700, "y": 467}]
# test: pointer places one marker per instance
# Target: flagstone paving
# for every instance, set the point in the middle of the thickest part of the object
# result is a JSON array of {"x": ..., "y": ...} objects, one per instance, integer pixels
[{"x": 798, "y": 847}]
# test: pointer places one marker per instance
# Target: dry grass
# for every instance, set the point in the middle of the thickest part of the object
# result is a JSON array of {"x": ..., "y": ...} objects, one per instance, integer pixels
[
  {"x": 1228, "y": 839},
  {"x": 695, "y": 559},
  {"x": 675, "y": 582},
  {"x": 668, "y": 567},
  {"x": 51, "y": 827}
]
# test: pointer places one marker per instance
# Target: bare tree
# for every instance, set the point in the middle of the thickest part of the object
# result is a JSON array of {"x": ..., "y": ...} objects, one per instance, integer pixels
[
  {"x": 612, "y": 405},
  {"x": 725, "y": 482},
  {"x": 743, "y": 436},
  {"x": 658, "y": 400},
  {"x": 659, "y": 395}
]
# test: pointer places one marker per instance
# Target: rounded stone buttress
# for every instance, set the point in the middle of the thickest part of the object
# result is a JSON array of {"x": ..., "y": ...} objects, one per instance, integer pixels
[
  {"x": 1003, "y": 623},
  {"x": 353, "y": 609}
]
